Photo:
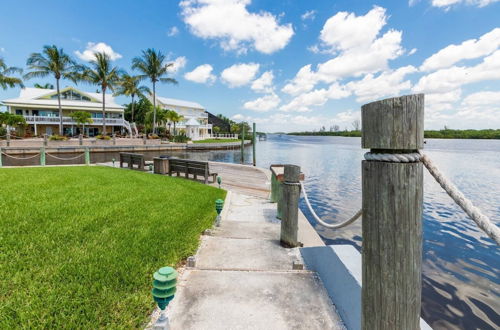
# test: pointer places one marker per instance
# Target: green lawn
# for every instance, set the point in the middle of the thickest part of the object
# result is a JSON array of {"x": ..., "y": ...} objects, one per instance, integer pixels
[
  {"x": 217, "y": 141},
  {"x": 79, "y": 245}
]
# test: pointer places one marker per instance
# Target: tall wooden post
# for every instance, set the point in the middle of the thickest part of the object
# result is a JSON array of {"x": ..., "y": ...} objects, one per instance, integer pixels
[
  {"x": 80, "y": 139},
  {"x": 8, "y": 138},
  {"x": 254, "y": 134},
  {"x": 290, "y": 195},
  {"x": 392, "y": 215},
  {"x": 45, "y": 140},
  {"x": 242, "y": 143}
]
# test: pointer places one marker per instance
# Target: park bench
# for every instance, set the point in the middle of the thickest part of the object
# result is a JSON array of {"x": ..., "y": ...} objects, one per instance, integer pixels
[
  {"x": 190, "y": 167},
  {"x": 132, "y": 159}
]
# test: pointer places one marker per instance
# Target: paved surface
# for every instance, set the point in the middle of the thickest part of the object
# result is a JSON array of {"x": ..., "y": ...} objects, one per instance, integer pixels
[{"x": 243, "y": 278}]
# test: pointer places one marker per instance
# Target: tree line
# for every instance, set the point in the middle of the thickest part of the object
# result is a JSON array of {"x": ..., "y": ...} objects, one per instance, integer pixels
[{"x": 52, "y": 61}]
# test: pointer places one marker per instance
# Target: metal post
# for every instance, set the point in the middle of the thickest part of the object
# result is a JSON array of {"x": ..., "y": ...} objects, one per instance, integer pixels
[
  {"x": 254, "y": 134},
  {"x": 42, "y": 156},
  {"x": 242, "y": 143},
  {"x": 87, "y": 156},
  {"x": 290, "y": 196},
  {"x": 392, "y": 215}
]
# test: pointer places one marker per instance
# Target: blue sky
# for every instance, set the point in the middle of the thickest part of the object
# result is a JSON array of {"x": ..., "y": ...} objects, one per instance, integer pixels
[{"x": 286, "y": 65}]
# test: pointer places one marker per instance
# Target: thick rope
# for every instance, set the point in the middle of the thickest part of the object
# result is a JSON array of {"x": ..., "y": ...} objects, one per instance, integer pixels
[
  {"x": 323, "y": 223},
  {"x": 70, "y": 158},
  {"x": 473, "y": 212},
  {"x": 393, "y": 158},
  {"x": 20, "y": 158}
]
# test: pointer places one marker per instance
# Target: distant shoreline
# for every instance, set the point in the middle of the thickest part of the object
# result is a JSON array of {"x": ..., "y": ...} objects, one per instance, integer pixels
[{"x": 485, "y": 134}]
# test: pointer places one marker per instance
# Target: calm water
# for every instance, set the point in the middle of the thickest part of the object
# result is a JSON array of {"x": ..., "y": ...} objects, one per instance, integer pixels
[{"x": 461, "y": 265}]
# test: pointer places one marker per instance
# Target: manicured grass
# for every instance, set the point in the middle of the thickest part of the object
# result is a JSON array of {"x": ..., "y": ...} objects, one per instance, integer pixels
[
  {"x": 217, "y": 141},
  {"x": 79, "y": 245}
]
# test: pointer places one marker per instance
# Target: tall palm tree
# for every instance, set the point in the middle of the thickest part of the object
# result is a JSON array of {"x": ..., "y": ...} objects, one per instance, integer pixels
[
  {"x": 5, "y": 79},
  {"x": 102, "y": 73},
  {"x": 175, "y": 118},
  {"x": 152, "y": 64},
  {"x": 53, "y": 61},
  {"x": 130, "y": 86},
  {"x": 45, "y": 86}
]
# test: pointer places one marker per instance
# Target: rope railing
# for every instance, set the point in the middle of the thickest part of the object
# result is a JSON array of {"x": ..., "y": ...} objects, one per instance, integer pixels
[
  {"x": 69, "y": 158},
  {"x": 323, "y": 223},
  {"x": 20, "y": 158},
  {"x": 482, "y": 221}
]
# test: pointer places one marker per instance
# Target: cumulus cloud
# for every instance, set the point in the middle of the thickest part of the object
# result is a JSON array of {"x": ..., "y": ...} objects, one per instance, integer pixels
[
  {"x": 310, "y": 14},
  {"x": 239, "y": 75},
  {"x": 318, "y": 97},
  {"x": 480, "y": 109},
  {"x": 469, "y": 49},
  {"x": 173, "y": 31},
  {"x": 263, "y": 84},
  {"x": 179, "y": 64},
  {"x": 304, "y": 81},
  {"x": 264, "y": 103},
  {"x": 201, "y": 74},
  {"x": 100, "y": 47},
  {"x": 448, "y": 3},
  {"x": 234, "y": 27}
]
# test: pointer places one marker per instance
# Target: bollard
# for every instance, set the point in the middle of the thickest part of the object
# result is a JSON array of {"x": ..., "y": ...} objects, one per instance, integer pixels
[
  {"x": 254, "y": 133},
  {"x": 87, "y": 156},
  {"x": 80, "y": 139},
  {"x": 290, "y": 200},
  {"x": 392, "y": 215},
  {"x": 42, "y": 156},
  {"x": 165, "y": 280},
  {"x": 219, "y": 205}
]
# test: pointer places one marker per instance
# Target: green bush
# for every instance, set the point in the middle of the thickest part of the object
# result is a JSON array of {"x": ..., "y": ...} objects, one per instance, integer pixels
[
  {"x": 103, "y": 137},
  {"x": 3, "y": 132},
  {"x": 56, "y": 137},
  {"x": 182, "y": 138}
]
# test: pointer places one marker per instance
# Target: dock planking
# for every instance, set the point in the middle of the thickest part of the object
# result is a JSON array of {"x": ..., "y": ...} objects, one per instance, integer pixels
[{"x": 243, "y": 179}]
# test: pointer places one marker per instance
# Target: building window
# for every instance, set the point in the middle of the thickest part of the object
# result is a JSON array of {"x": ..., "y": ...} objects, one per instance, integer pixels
[
  {"x": 19, "y": 112},
  {"x": 71, "y": 95}
]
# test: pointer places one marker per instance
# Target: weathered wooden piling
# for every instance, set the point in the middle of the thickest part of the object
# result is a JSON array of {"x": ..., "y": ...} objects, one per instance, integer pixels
[
  {"x": 290, "y": 202},
  {"x": 392, "y": 215}
]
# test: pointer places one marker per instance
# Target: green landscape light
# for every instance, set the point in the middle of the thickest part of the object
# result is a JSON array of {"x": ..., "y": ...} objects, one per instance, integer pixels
[
  {"x": 165, "y": 280},
  {"x": 219, "y": 204},
  {"x": 219, "y": 180},
  {"x": 151, "y": 167},
  {"x": 113, "y": 160}
]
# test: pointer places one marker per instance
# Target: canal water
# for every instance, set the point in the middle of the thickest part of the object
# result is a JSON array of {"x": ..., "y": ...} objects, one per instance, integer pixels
[{"x": 461, "y": 266}]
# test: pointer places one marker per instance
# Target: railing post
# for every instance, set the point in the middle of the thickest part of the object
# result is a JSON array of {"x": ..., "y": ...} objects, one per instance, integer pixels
[
  {"x": 87, "y": 156},
  {"x": 290, "y": 202},
  {"x": 42, "y": 156},
  {"x": 392, "y": 215},
  {"x": 254, "y": 134}
]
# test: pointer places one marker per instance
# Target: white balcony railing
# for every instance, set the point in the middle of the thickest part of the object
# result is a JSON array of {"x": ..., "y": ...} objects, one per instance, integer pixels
[{"x": 70, "y": 121}]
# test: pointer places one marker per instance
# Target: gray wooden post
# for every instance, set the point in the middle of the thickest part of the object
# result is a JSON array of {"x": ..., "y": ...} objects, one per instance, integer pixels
[
  {"x": 8, "y": 137},
  {"x": 114, "y": 139},
  {"x": 392, "y": 215},
  {"x": 145, "y": 138},
  {"x": 254, "y": 133},
  {"x": 80, "y": 139},
  {"x": 45, "y": 140},
  {"x": 290, "y": 195},
  {"x": 242, "y": 143}
]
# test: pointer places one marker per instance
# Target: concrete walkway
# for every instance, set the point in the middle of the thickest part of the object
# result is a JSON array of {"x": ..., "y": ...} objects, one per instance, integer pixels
[{"x": 243, "y": 278}]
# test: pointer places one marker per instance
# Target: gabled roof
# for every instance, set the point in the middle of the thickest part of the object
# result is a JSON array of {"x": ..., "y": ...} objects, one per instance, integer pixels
[
  {"x": 179, "y": 103},
  {"x": 192, "y": 122},
  {"x": 42, "y": 97}
]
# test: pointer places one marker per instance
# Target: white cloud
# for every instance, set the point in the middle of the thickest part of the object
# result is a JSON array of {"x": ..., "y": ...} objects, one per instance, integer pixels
[
  {"x": 480, "y": 110},
  {"x": 412, "y": 51},
  {"x": 236, "y": 29},
  {"x": 264, "y": 84},
  {"x": 448, "y": 3},
  {"x": 263, "y": 104},
  {"x": 304, "y": 81},
  {"x": 179, "y": 64},
  {"x": 389, "y": 83},
  {"x": 452, "y": 78},
  {"x": 2, "y": 49},
  {"x": 310, "y": 14},
  {"x": 485, "y": 98},
  {"x": 173, "y": 31},
  {"x": 201, "y": 74},
  {"x": 437, "y": 102},
  {"x": 469, "y": 49},
  {"x": 100, "y": 47},
  {"x": 318, "y": 97},
  {"x": 239, "y": 75}
]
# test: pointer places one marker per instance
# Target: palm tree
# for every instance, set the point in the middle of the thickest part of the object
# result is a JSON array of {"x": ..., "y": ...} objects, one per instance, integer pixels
[
  {"x": 130, "y": 86},
  {"x": 102, "y": 73},
  {"x": 5, "y": 79},
  {"x": 175, "y": 118},
  {"x": 53, "y": 61},
  {"x": 152, "y": 65},
  {"x": 45, "y": 86}
]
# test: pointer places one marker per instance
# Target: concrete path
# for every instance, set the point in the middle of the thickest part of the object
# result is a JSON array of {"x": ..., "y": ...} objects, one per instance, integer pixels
[{"x": 243, "y": 278}]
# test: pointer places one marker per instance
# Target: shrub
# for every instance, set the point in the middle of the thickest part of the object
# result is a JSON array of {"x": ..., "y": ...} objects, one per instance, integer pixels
[
  {"x": 153, "y": 136},
  {"x": 56, "y": 137},
  {"x": 180, "y": 138},
  {"x": 103, "y": 137},
  {"x": 3, "y": 132}
]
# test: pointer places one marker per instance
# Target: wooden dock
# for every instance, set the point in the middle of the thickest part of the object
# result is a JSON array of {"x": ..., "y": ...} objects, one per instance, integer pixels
[{"x": 243, "y": 179}]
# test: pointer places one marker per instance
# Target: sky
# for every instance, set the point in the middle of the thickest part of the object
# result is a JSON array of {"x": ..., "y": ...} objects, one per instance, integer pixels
[{"x": 288, "y": 65}]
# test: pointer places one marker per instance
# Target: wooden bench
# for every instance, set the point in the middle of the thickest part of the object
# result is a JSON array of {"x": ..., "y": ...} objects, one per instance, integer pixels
[
  {"x": 131, "y": 159},
  {"x": 190, "y": 167}
]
